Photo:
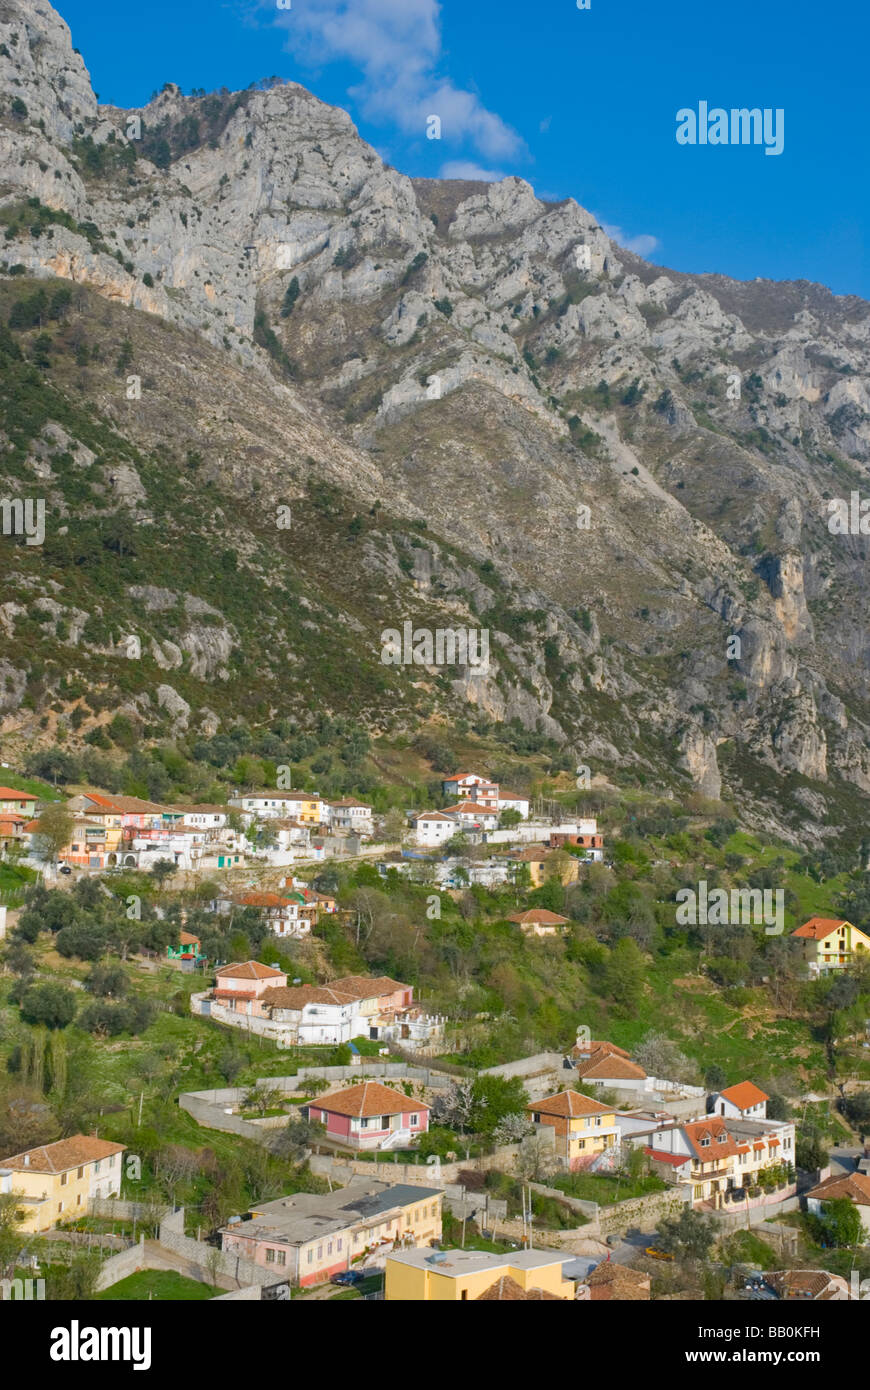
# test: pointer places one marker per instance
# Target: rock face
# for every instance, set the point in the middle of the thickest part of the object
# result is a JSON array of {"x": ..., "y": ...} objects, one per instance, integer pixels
[{"x": 634, "y": 465}]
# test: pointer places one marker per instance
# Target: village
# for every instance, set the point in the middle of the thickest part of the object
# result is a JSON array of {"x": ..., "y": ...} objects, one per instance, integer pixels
[{"x": 587, "y": 1171}]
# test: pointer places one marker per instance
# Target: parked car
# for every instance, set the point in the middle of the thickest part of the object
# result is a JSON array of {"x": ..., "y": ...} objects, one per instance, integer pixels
[
  {"x": 657, "y": 1254},
  {"x": 348, "y": 1277},
  {"x": 64, "y": 869}
]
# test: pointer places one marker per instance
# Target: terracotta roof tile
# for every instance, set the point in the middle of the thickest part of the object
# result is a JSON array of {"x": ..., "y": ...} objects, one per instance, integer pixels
[
  {"x": 744, "y": 1095},
  {"x": 63, "y": 1155},
  {"x": 366, "y": 1099}
]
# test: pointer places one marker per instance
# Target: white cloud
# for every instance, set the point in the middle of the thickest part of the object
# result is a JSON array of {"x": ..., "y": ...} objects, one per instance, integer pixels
[
  {"x": 642, "y": 244},
  {"x": 467, "y": 169},
  {"x": 397, "y": 45}
]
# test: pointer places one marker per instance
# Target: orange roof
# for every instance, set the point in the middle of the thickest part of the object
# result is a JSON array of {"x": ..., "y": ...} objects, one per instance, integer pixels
[
  {"x": 588, "y": 1049},
  {"x": 262, "y": 900},
  {"x": 817, "y": 928},
  {"x": 297, "y": 996},
  {"x": 721, "y": 1144},
  {"x": 366, "y": 1099},
  {"x": 569, "y": 1103},
  {"x": 474, "y": 807},
  {"x": 854, "y": 1186},
  {"x": 249, "y": 970},
  {"x": 507, "y": 1290},
  {"x": 9, "y": 794},
  {"x": 605, "y": 1064},
  {"x": 744, "y": 1095},
  {"x": 186, "y": 939},
  {"x": 538, "y": 915},
  {"x": 63, "y": 1155},
  {"x": 368, "y": 986}
]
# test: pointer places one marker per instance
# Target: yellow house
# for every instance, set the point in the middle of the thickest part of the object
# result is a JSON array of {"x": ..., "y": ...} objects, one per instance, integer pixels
[
  {"x": 538, "y": 857},
  {"x": 584, "y": 1128},
  {"x": 56, "y": 1182},
  {"x": 453, "y": 1276},
  {"x": 830, "y": 943}
]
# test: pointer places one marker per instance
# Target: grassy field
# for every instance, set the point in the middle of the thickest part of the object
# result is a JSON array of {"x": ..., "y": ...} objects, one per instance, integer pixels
[{"x": 159, "y": 1285}]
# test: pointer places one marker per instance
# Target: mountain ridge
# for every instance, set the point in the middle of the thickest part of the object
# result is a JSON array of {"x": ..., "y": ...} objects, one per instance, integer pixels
[{"x": 447, "y": 354}]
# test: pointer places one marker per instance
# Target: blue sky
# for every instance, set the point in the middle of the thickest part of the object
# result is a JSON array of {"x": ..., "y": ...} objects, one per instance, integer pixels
[{"x": 581, "y": 103}]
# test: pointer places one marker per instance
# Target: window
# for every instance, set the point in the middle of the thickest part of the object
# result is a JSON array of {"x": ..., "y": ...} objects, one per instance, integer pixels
[
  {"x": 417, "y": 1214},
  {"x": 329, "y": 1248},
  {"x": 705, "y": 1143},
  {"x": 79, "y": 1200},
  {"x": 414, "y": 1120},
  {"x": 64, "y": 1178},
  {"x": 338, "y": 1245},
  {"x": 320, "y": 1252},
  {"x": 270, "y": 1257},
  {"x": 282, "y": 1257},
  {"x": 310, "y": 1256},
  {"x": 464, "y": 1294},
  {"x": 96, "y": 1168},
  {"x": 363, "y": 1124}
]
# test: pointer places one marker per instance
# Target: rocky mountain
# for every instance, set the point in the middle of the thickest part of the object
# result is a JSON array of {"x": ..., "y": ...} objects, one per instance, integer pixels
[{"x": 473, "y": 408}]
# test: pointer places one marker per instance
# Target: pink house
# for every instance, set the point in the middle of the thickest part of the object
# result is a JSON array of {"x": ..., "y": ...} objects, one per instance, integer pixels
[
  {"x": 241, "y": 987},
  {"x": 370, "y": 1116}
]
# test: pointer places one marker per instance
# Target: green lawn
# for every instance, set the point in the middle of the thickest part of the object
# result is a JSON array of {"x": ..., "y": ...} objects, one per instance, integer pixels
[
  {"x": 590, "y": 1188},
  {"x": 161, "y": 1285}
]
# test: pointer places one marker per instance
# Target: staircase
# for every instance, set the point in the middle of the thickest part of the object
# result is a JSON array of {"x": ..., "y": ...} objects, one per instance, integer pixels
[{"x": 399, "y": 1139}]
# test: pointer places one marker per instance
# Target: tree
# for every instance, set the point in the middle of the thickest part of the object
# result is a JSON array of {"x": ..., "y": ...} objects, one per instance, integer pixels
[
  {"x": 811, "y": 1152},
  {"x": 662, "y": 1058},
  {"x": 715, "y": 1078},
  {"x": 49, "y": 1004},
  {"x": 55, "y": 832},
  {"x": 838, "y": 1224},
  {"x": 163, "y": 869},
  {"x": 624, "y": 974},
  {"x": 512, "y": 1128},
  {"x": 295, "y": 1139},
  {"x": 509, "y": 817},
  {"x": 11, "y": 1241},
  {"x": 108, "y": 981},
  {"x": 691, "y": 1235}
]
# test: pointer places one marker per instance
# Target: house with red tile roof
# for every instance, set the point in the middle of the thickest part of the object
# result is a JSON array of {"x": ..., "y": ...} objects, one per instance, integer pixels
[
  {"x": 854, "y": 1187},
  {"x": 700, "y": 1153},
  {"x": 584, "y": 1128},
  {"x": 256, "y": 997},
  {"x": 745, "y": 1101},
  {"x": 18, "y": 803},
  {"x": 57, "y": 1182},
  {"x": 370, "y": 1116},
  {"x": 830, "y": 944},
  {"x": 538, "y": 921}
]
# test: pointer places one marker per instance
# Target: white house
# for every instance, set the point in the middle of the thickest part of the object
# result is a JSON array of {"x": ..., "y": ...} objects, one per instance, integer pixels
[
  {"x": 854, "y": 1187},
  {"x": 275, "y": 805},
  {"x": 472, "y": 813},
  {"x": 433, "y": 828},
  {"x": 349, "y": 814},
  {"x": 470, "y": 786},
  {"x": 209, "y": 818},
  {"x": 745, "y": 1101},
  {"x": 510, "y": 801}
]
